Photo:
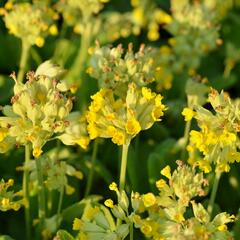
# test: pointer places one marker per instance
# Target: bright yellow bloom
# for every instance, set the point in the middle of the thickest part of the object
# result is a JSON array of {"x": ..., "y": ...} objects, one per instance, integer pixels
[
  {"x": 39, "y": 41},
  {"x": 161, "y": 184},
  {"x": 113, "y": 187},
  {"x": 147, "y": 93},
  {"x": 132, "y": 126},
  {"x": 146, "y": 229},
  {"x": 188, "y": 114},
  {"x": 53, "y": 30},
  {"x": 222, "y": 228},
  {"x": 166, "y": 172},
  {"x": 77, "y": 224},
  {"x": 3, "y": 133},
  {"x": 5, "y": 202},
  {"x": 109, "y": 203},
  {"x": 37, "y": 151},
  {"x": 149, "y": 199}
]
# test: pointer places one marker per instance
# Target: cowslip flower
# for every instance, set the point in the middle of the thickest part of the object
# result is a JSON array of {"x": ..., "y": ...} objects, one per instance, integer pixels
[
  {"x": 163, "y": 216},
  {"x": 76, "y": 132},
  {"x": 216, "y": 142},
  {"x": 39, "y": 109},
  {"x": 29, "y": 22},
  {"x": 122, "y": 119}
]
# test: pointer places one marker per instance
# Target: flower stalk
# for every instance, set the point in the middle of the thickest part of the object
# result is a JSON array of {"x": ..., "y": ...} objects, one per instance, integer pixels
[
  {"x": 213, "y": 193},
  {"x": 26, "y": 192},
  {"x": 41, "y": 193},
  {"x": 122, "y": 178},
  {"x": 23, "y": 60},
  {"x": 91, "y": 173}
]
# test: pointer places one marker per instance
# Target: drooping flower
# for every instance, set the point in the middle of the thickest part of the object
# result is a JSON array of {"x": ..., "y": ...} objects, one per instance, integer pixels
[{"x": 122, "y": 119}]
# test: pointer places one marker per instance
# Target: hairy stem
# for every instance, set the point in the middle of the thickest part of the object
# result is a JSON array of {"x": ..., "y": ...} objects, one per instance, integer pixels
[
  {"x": 213, "y": 193},
  {"x": 122, "y": 178},
  {"x": 41, "y": 194},
  {"x": 185, "y": 139},
  {"x": 23, "y": 61},
  {"x": 91, "y": 173},
  {"x": 26, "y": 192}
]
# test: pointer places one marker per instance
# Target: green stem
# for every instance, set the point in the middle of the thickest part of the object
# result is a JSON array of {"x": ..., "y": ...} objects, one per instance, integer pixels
[
  {"x": 26, "y": 192},
  {"x": 80, "y": 60},
  {"x": 213, "y": 193},
  {"x": 41, "y": 194},
  {"x": 185, "y": 139},
  {"x": 131, "y": 231},
  {"x": 60, "y": 204},
  {"x": 122, "y": 178},
  {"x": 62, "y": 188},
  {"x": 23, "y": 61},
  {"x": 91, "y": 173}
]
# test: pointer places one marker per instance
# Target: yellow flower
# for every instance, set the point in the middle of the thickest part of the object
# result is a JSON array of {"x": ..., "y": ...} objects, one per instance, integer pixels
[
  {"x": 166, "y": 172},
  {"x": 113, "y": 187},
  {"x": 119, "y": 138},
  {"x": 77, "y": 224},
  {"x": 188, "y": 114},
  {"x": 37, "y": 151},
  {"x": 39, "y": 41},
  {"x": 109, "y": 203},
  {"x": 77, "y": 29},
  {"x": 83, "y": 142},
  {"x": 8, "y": 5},
  {"x": 147, "y": 93},
  {"x": 161, "y": 184},
  {"x": 53, "y": 30},
  {"x": 69, "y": 190},
  {"x": 153, "y": 34},
  {"x": 149, "y": 199},
  {"x": 5, "y": 202},
  {"x": 132, "y": 126},
  {"x": 146, "y": 229},
  {"x": 222, "y": 228},
  {"x": 179, "y": 217},
  {"x": 3, "y": 133}
]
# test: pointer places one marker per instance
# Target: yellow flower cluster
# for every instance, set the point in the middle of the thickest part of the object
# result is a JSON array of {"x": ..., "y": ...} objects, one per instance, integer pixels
[
  {"x": 7, "y": 201},
  {"x": 162, "y": 216},
  {"x": 122, "y": 119},
  {"x": 39, "y": 110},
  {"x": 30, "y": 22},
  {"x": 149, "y": 17},
  {"x": 76, "y": 131},
  {"x": 217, "y": 139}
]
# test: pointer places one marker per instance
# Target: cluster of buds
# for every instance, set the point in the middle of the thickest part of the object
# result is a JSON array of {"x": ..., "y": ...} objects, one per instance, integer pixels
[
  {"x": 166, "y": 218},
  {"x": 195, "y": 33},
  {"x": 76, "y": 131},
  {"x": 97, "y": 222},
  {"x": 39, "y": 109},
  {"x": 56, "y": 173},
  {"x": 7, "y": 198},
  {"x": 161, "y": 216},
  {"x": 113, "y": 68},
  {"x": 30, "y": 22},
  {"x": 79, "y": 13},
  {"x": 122, "y": 119},
  {"x": 217, "y": 138}
]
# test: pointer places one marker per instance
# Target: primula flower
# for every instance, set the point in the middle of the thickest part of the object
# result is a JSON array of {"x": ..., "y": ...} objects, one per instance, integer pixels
[
  {"x": 216, "y": 141},
  {"x": 76, "y": 131},
  {"x": 39, "y": 110},
  {"x": 122, "y": 119},
  {"x": 29, "y": 22}
]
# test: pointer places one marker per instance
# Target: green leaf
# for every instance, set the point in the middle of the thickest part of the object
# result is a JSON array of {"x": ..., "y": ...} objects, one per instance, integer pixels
[
  {"x": 76, "y": 210},
  {"x": 157, "y": 160}
]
